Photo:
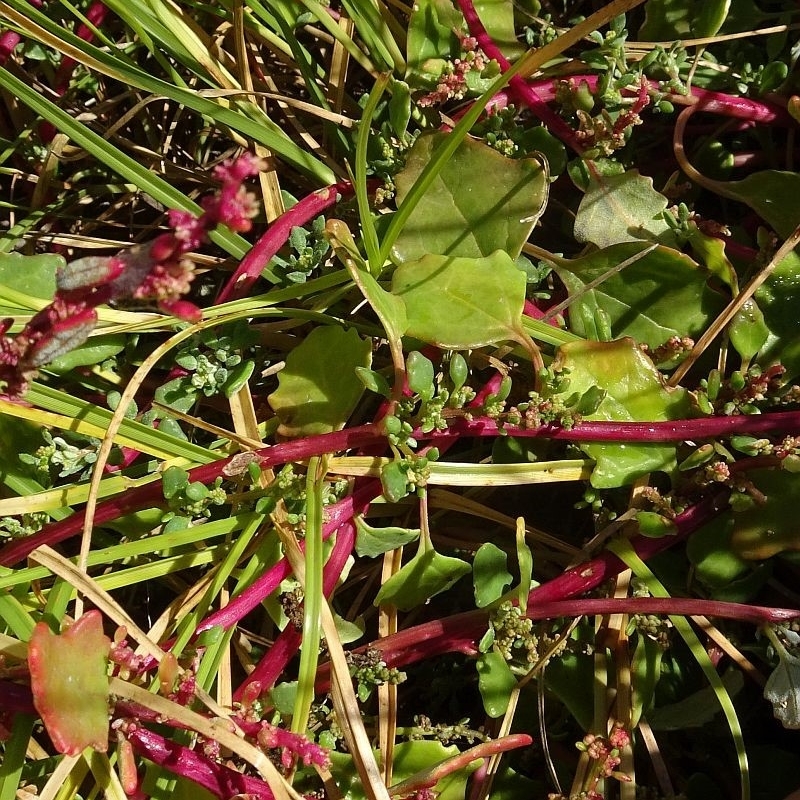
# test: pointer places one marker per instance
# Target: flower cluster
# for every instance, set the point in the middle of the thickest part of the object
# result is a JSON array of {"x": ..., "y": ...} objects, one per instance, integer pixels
[
  {"x": 157, "y": 272},
  {"x": 452, "y": 83}
]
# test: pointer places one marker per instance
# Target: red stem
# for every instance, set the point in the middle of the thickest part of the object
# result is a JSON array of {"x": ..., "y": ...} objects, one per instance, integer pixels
[
  {"x": 520, "y": 88},
  {"x": 264, "y": 250},
  {"x": 221, "y": 781},
  {"x": 272, "y": 665},
  {"x": 669, "y": 431}
]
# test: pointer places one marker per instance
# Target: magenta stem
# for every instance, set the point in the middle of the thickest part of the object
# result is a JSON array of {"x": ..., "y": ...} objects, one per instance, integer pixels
[
  {"x": 221, "y": 781},
  {"x": 265, "y": 249},
  {"x": 520, "y": 88},
  {"x": 364, "y": 435},
  {"x": 272, "y": 665}
]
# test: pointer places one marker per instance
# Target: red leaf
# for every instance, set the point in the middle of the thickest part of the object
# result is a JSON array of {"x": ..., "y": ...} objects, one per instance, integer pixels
[{"x": 70, "y": 684}]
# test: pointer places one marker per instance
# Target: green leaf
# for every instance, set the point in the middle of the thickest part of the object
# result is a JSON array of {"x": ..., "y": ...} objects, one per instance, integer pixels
[
  {"x": 34, "y": 276},
  {"x": 96, "y": 350},
  {"x": 661, "y": 294},
  {"x": 427, "y": 574},
  {"x": 174, "y": 481},
  {"x": 777, "y": 301},
  {"x": 70, "y": 685},
  {"x": 372, "y": 542},
  {"x": 636, "y": 391},
  {"x": 479, "y": 202},
  {"x": 709, "y": 552},
  {"x": 681, "y": 19},
  {"x": 622, "y": 208},
  {"x": 431, "y": 40},
  {"x": 419, "y": 370},
  {"x": 496, "y": 682},
  {"x": 764, "y": 529},
  {"x": 318, "y": 389},
  {"x": 238, "y": 377},
  {"x": 773, "y": 194},
  {"x": 461, "y": 303},
  {"x": 489, "y": 574},
  {"x": 696, "y": 710},
  {"x": 748, "y": 330}
]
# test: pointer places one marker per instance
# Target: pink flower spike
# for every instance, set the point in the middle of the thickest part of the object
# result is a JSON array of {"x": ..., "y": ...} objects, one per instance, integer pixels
[
  {"x": 236, "y": 170},
  {"x": 183, "y": 309},
  {"x": 190, "y": 231},
  {"x": 164, "y": 247}
]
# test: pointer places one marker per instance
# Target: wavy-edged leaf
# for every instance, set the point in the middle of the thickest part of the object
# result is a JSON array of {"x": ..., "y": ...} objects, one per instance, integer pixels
[
  {"x": 622, "y": 208},
  {"x": 70, "y": 684}
]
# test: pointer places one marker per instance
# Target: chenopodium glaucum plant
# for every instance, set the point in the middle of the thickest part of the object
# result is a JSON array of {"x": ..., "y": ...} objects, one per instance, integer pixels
[{"x": 156, "y": 272}]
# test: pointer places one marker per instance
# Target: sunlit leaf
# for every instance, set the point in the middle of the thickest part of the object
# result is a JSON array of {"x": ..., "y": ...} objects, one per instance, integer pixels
[
  {"x": 459, "y": 303},
  {"x": 427, "y": 574},
  {"x": 622, "y": 208},
  {"x": 479, "y": 202},
  {"x": 489, "y": 574},
  {"x": 661, "y": 294},
  {"x": 372, "y": 542},
  {"x": 635, "y": 391},
  {"x": 70, "y": 684},
  {"x": 318, "y": 388}
]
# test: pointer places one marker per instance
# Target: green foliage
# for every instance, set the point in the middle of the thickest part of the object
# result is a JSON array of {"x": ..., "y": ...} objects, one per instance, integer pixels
[
  {"x": 622, "y": 208},
  {"x": 661, "y": 293},
  {"x": 479, "y": 202},
  {"x": 460, "y": 303},
  {"x": 635, "y": 391},
  {"x": 427, "y": 574},
  {"x": 318, "y": 388}
]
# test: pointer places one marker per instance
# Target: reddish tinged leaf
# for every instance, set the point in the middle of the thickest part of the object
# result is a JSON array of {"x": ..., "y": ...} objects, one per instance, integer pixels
[{"x": 70, "y": 684}]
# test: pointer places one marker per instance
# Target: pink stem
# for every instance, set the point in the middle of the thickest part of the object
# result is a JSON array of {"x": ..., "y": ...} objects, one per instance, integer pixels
[
  {"x": 725, "y": 105},
  {"x": 669, "y": 431},
  {"x": 521, "y": 89},
  {"x": 221, "y": 781},
  {"x": 242, "y": 604},
  {"x": 262, "y": 252},
  {"x": 272, "y": 665}
]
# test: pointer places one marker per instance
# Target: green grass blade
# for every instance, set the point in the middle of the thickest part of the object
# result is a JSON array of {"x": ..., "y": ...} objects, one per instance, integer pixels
[
  {"x": 312, "y": 597},
  {"x": 14, "y": 755}
]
